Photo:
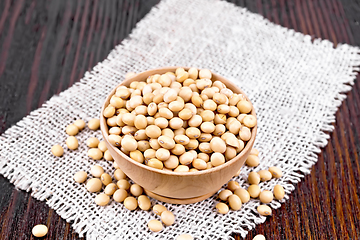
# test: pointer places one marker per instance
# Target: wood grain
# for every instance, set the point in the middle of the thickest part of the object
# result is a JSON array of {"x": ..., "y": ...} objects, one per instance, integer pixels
[{"x": 46, "y": 46}]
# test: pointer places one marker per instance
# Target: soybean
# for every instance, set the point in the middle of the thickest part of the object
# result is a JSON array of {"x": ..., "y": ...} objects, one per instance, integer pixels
[
  {"x": 203, "y": 156},
  {"x": 153, "y": 131},
  {"x": 276, "y": 172},
  {"x": 209, "y": 105},
  {"x": 176, "y": 123},
  {"x": 242, "y": 194},
  {"x": 39, "y": 230},
  {"x": 144, "y": 202},
  {"x": 110, "y": 189},
  {"x": 159, "y": 209},
  {"x": 119, "y": 174},
  {"x": 217, "y": 145},
  {"x": 162, "y": 154},
  {"x": 95, "y": 153},
  {"x": 178, "y": 149},
  {"x": 168, "y": 132},
  {"x": 94, "y": 124},
  {"x": 80, "y": 124},
  {"x": 219, "y": 129},
  {"x": 217, "y": 159},
  {"x": 230, "y": 153},
  {"x": 205, "y": 73},
  {"x": 195, "y": 121},
  {"x": 182, "y": 139},
  {"x": 185, "y": 114},
  {"x": 266, "y": 196},
  {"x": 264, "y": 210},
  {"x": 94, "y": 185},
  {"x": 140, "y": 122},
  {"x": 233, "y": 185},
  {"x": 234, "y": 202},
  {"x": 96, "y": 170},
  {"x": 245, "y": 133},
  {"x": 279, "y": 192},
  {"x": 182, "y": 168},
  {"x": 123, "y": 184},
  {"x": 207, "y": 115},
  {"x": 265, "y": 175},
  {"x": 107, "y": 156},
  {"x": 225, "y": 194},
  {"x": 252, "y": 161},
  {"x": 93, "y": 142},
  {"x": 172, "y": 162},
  {"x": 232, "y": 141},
  {"x": 166, "y": 142},
  {"x": 199, "y": 164},
  {"x": 193, "y": 144},
  {"x": 72, "y": 130},
  {"x": 244, "y": 106},
  {"x": 254, "y": 178},
  {"x": 254, "y": 191},
  {"x": 106, "y": 179},
  {"x": 207, "y": 127},
  {"x": 259, "y": 237},
  {"x": 167, "y": 218},
  {"x": 222, "y": 208},
  {"x": 137, "y": 156},
  {"x": 192, "y": 132},
  {"x": 184, "y": 237},
  {"x": 254, "y": 151},
  {"x": 136, "y": 190},
  {"x": 109, "y": 111},
  {"x": 186, "y": 158},
  {"x": 102, "y": 199},
  {"x": 120, "y": 195},
  {"x": 115, "y": 140},
  {"x": 155, "y": 225},
  {"x": 155, "y": 163},
  {"x": 220, "y": 98},
  {"x": 205, "y": 137},
  {"x": 250, "y": 121},
  {"x": 57, "y": 150},
  {"x": 129, "y": 144},
  {"x": 130, "y": 203},
  {"x": 80, "y": 177}
]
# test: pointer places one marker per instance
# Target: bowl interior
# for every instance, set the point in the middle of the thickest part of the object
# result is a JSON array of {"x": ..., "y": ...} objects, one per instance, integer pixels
[{"x": 142, "y": 77}]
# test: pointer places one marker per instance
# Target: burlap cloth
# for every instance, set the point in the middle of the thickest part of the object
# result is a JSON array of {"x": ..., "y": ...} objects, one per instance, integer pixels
[{"x": 295, "y": 84}]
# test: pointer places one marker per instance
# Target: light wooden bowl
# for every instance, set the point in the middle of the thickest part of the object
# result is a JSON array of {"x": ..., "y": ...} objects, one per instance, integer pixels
[{"x": 175, "y": 187}]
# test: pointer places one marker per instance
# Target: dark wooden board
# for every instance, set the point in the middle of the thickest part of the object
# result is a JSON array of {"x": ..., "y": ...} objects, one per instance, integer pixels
[{"x": 46, "y": 46}]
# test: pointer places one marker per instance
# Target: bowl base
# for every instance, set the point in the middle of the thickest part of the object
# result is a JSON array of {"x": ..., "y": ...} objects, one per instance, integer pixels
[{"x": 178, "y": 200}]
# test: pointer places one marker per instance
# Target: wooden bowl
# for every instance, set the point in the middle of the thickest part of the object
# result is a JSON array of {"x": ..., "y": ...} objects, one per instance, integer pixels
[{"x": 176, "y": 187}]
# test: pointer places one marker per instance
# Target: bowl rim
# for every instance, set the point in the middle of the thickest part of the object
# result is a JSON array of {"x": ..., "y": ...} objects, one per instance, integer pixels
[{"x": 104, "y": 127}]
